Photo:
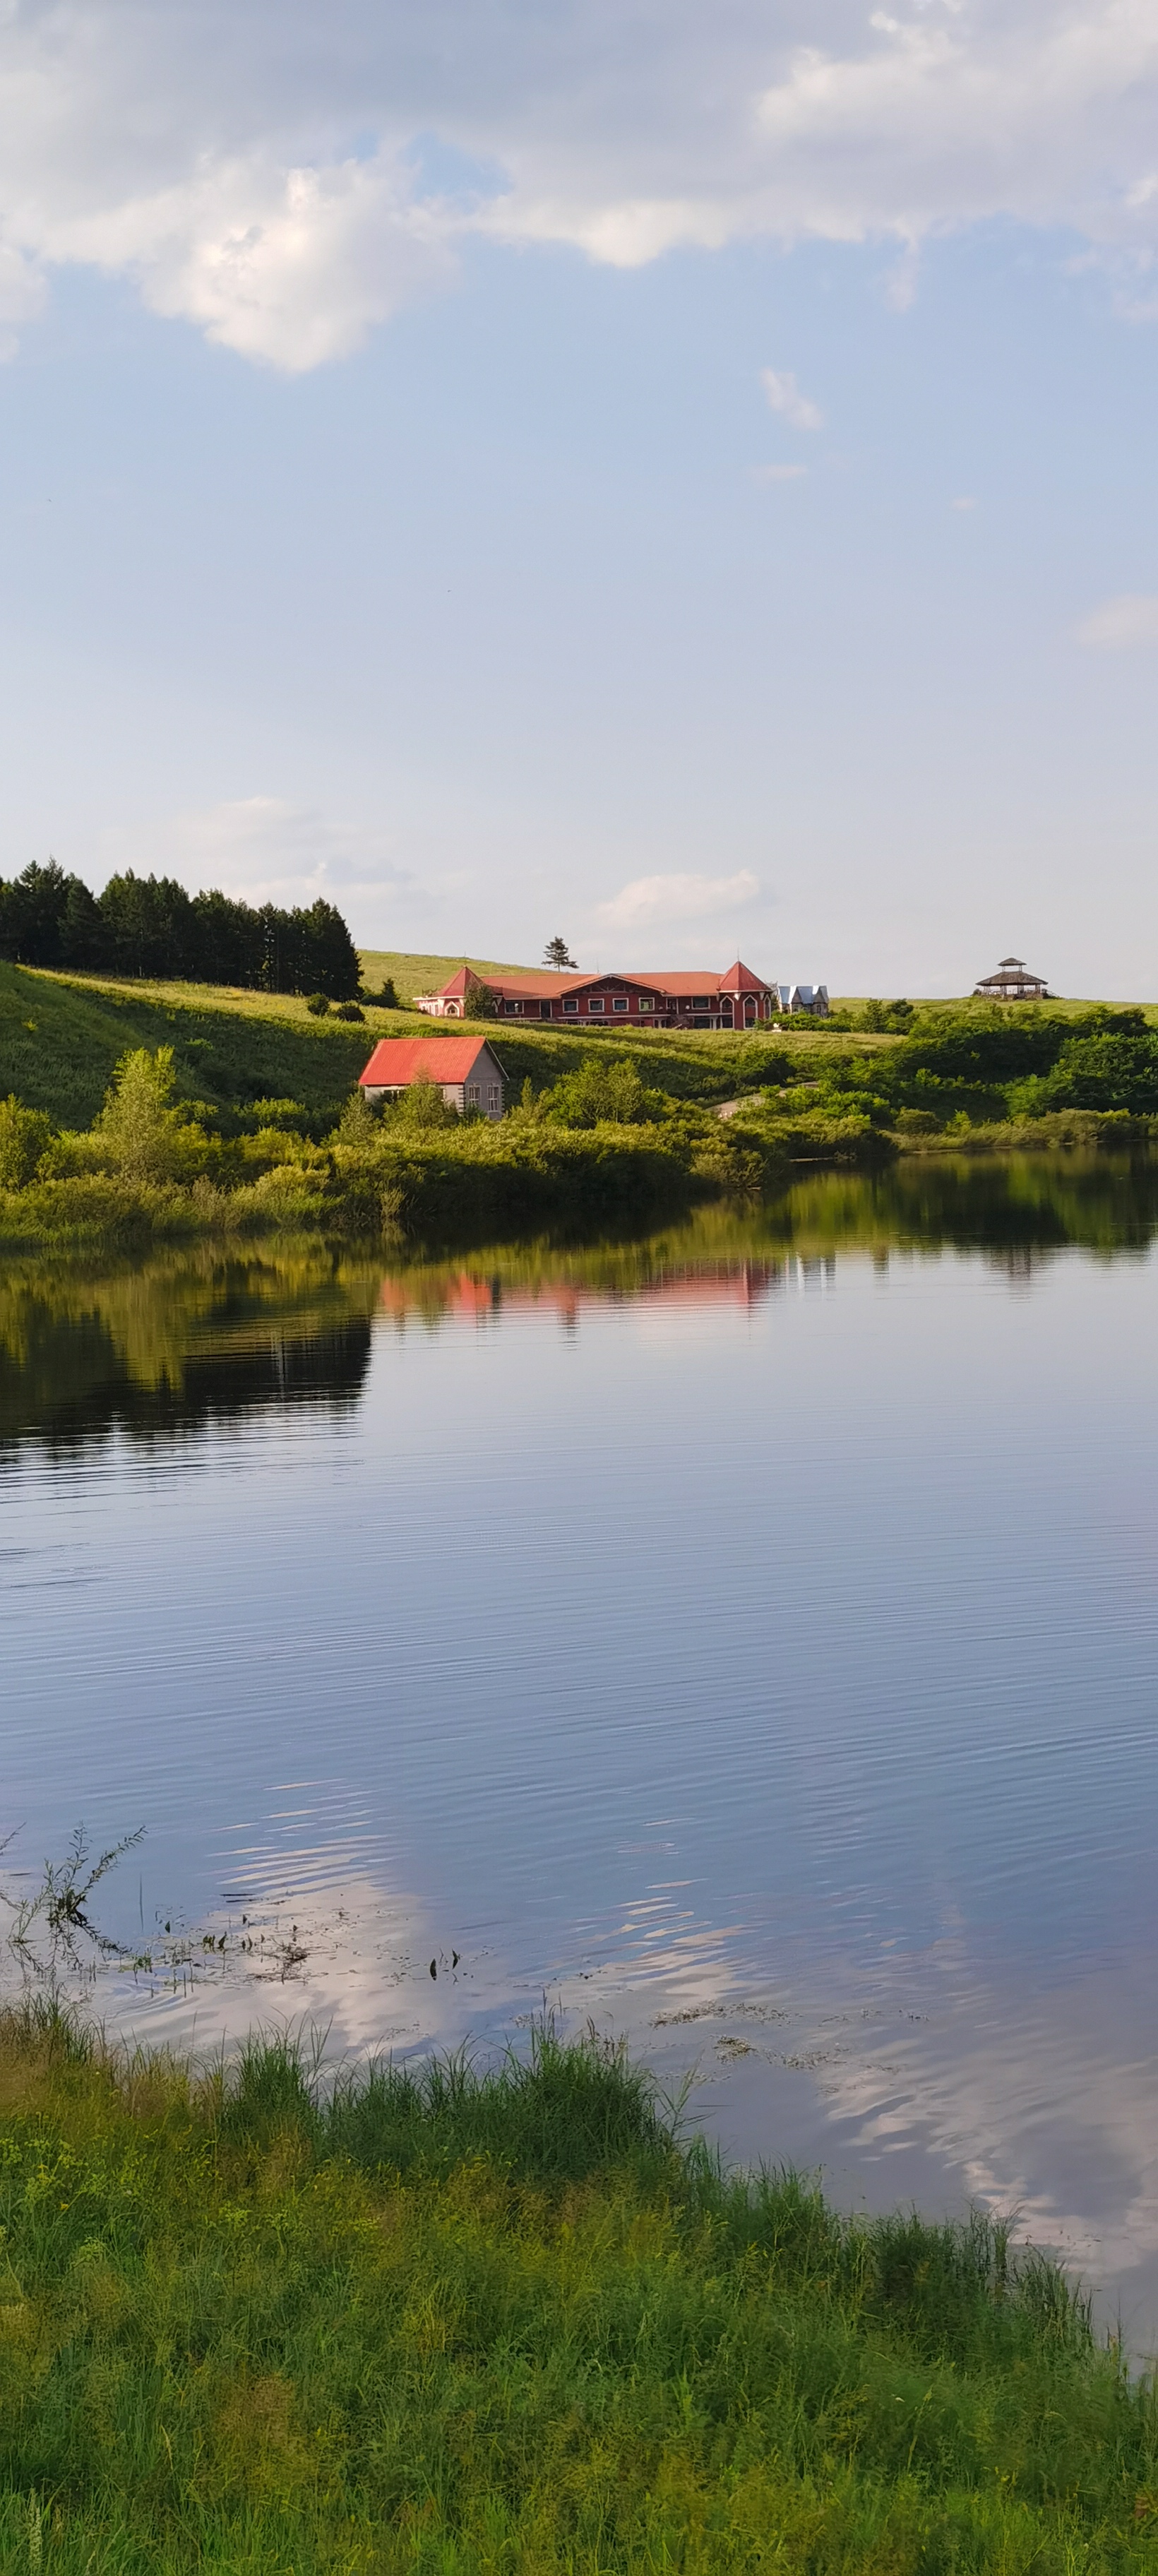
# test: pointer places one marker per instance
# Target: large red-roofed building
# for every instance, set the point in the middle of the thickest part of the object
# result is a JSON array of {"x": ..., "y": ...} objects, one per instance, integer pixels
[{"x": 738, "y": 999}]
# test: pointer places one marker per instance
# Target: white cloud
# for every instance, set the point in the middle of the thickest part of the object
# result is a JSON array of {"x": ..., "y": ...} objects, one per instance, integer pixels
[
  {"x": 779, "y": 473},
  {"x": 265, "y": 848},
  {"x": 964, "y": 501},
  {"x": 684, "y": 897},
  {"x": 1120, "y": 624},
  {"x": 259, "y": 169},
  {"x": 782, "y": 394}
]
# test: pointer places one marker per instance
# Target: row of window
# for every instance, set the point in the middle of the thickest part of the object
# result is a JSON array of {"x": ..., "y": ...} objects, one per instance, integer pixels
[
  {"x": 474, "y": 1095},
  {"x": 619, "y": 1002}
]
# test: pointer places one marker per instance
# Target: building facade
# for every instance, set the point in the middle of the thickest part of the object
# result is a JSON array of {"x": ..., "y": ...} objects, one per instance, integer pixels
[
  {"x": 466, "y": 1070},
  {"x": 737, "y": 999},
  {"x": 1013, "y": 982},
  {"x": 812, "y": 998}
]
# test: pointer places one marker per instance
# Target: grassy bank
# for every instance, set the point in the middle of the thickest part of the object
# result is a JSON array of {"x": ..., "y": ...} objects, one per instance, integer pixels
[
  {"x": 186, "y": 1142},
  {"x": 457, "y": 2324},
  {"x": 604, "y": 1133},
  {"x": 62, "y": 1035}
]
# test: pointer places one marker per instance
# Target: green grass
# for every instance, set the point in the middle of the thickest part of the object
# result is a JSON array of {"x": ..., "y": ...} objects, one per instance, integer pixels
[
  {"x": 466, "y": 2325},
  {"x": 61, "y": 1035},
  {"x": 411, "y": 974}
]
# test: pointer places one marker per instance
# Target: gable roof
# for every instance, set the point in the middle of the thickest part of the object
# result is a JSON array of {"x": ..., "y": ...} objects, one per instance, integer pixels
[
  {"x": 548, "y": 987},
  {"x": 397, "y": 1061}
]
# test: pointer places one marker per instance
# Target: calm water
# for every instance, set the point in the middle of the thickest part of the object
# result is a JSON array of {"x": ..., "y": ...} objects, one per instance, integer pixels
[{"x": 749, "y": 1638}]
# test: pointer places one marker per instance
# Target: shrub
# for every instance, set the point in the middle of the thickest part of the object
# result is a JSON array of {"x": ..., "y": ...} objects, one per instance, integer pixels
[
  {"x": 141, "y": 1124},
  {"x": 25, "y": 1135},
  {"x": 318, "y": 1004},
  {"x": 348, "y": 1011}
]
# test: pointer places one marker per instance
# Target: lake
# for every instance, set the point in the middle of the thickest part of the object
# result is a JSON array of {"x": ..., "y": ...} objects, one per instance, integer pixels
[{"x": 747, "y": 1639}]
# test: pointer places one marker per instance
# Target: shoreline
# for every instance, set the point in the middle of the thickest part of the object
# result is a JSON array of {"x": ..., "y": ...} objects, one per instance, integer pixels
[{"x": 447, "y": 2316}]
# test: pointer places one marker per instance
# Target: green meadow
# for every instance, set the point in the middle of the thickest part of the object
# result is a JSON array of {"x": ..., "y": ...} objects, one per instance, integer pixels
[
  {"x": 257, "y": 1125},
  {"x": 506, "y": 2323}
]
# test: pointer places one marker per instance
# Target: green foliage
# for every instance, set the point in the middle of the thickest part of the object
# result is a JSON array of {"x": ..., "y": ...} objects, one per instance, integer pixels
[
  {"x": 357, "y": 1126},
  {"x": 479, "y": 1002},
  {"x": 558, "y": 955},
  {"x": 318, "y": 1005},
  {"x": 141, "y": 1123},
  {"x": 603, "y": 1087},
  {"x": 894, "y": 1016},
  {"x": 151, "y": 926},
  {"x": 25, "y": 1136},
  {"x": 423, "y": 1107},
  {"x": 466, "y": 2323},
  {"x": 1114, "y": 1070}
]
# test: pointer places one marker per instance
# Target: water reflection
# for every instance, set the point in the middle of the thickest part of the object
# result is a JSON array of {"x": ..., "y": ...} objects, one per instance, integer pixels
[
  {"x": 154, "y": 1351},
  {"x": 1019, "y": 1209},
  {"x": 660, "y": 1627}
]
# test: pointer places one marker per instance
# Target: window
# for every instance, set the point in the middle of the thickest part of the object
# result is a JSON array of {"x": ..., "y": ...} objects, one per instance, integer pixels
[
  {"x": 570, "y": 1001},
  {"x": 701, "y": 1002},
  {"x": 495, "y": 1096},
  {"x": 512, "y": 1009},
  {"x": 646, "y": 1003},
  {"x": 620, "y": 1002},
  {"x": 473, "y": 1095},
  {"x": 596, "y": 1002}
]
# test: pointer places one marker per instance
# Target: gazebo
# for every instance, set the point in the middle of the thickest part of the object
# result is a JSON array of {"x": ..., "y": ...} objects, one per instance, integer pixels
[{"x": 1013, "y": 982}]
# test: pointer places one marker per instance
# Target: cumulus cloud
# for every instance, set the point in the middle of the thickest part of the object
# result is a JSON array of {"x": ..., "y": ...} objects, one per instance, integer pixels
[
  {"x": 263, "y": 170},
  {"x": 682, "y": 897},
  {"x": 267, "y": 849},
  {"x": 1121, "y": 624},
  {"x": 782, "y": 394}
]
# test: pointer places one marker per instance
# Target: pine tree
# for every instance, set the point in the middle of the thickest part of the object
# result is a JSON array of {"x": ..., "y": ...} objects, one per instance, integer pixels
[{"x": 557, "y": 953}]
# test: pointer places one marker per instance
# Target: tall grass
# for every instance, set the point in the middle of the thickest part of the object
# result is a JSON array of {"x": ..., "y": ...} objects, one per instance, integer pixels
[{"x": 456, "y": 2320}]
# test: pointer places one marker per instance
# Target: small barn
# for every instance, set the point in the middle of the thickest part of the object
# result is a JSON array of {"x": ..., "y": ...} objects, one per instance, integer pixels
[
  {"x": 466, "y": 1070},
  {"x": 1013, "y": 982}
]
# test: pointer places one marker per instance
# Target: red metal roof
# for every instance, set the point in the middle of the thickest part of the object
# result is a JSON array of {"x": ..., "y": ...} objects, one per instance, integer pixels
[
  {"x": 397, "y": 1061},
  {"x": 547, "y": 987}
]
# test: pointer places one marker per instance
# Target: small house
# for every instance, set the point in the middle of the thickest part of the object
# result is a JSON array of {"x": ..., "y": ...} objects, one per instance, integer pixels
[
  {"x": 1013, "y": 982},
  {"x": 466, "y": 1070},
  {"x": 812, "y": 998}
]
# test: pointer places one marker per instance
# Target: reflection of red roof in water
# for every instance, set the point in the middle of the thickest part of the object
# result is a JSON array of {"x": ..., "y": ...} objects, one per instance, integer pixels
[{"x": 472, "y": 1295}]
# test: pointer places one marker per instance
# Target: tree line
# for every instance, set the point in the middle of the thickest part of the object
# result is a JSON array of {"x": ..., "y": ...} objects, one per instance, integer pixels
[{"x": 151, "y": 926}]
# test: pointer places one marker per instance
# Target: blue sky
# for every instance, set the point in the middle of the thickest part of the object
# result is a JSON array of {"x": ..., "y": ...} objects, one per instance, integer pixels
[{"x": 686, "y": 481}]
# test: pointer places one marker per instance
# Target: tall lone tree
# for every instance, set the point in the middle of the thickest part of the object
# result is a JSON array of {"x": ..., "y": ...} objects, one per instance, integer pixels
[{"x": 557, "y": 953}]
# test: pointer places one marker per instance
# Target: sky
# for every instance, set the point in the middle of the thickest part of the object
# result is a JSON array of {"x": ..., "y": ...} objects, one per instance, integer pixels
[{"x": 679, "y": 477}]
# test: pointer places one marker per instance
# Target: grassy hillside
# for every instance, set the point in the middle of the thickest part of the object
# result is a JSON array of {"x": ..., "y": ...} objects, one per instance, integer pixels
[
  {"x": 411, "y": 974},
  {"x": 444, "y": 2324},
  {"x": 60, "y": 1037}
]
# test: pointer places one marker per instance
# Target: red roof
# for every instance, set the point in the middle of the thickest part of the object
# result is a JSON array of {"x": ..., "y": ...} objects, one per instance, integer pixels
[
  {"x": 397, "y": 1061},
  {"x": 547, "y": 987}
]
